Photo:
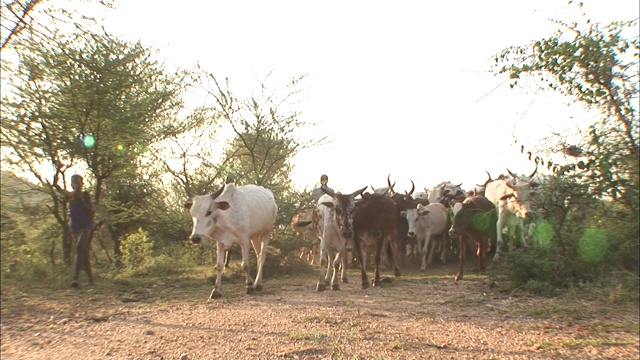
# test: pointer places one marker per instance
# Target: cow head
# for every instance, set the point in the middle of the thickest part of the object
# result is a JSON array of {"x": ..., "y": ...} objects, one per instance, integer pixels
[
  {"x": 344, "y": 207},
  {"x": 517, "y": 201},
  {"x": 413, "y": 216},
  {"x": 205, "y": 210},
  {"x": 446, "y": 193}
]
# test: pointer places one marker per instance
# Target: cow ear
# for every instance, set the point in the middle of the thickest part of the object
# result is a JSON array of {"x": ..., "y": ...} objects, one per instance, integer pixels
[
  {"x": 505, "y": 197},
  {"x": 223, "y": 205},
  {"x": 328, "y": 204},
  {"x": 188, "y": 204},
  {"x": 424, "y": 212},
  {"x": 403, "y": 213}
]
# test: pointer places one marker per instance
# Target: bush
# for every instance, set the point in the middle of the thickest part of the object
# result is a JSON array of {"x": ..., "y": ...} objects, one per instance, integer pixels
[
  {"x": 136, "y": 249},
  {"x": 579, "y": 240}
]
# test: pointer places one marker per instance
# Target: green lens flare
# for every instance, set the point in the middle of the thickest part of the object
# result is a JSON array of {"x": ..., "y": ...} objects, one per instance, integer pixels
[
  {"x": 543, "y": 233},
  {"x": 593, "y": 245},
  {"x": 88, "y": 141}
]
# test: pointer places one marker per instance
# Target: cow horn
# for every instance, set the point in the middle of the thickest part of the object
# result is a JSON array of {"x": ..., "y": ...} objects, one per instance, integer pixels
[
  {"x": 488, "y": 180},
  {"x": 328, "y": 191},
  {"x": 459, "y": 185},
  {"x": 217, "y": 193},
  {"x": 389, "y": 184},
  {"x": 512, "y": 174},
  {"x": 358, "y": 192},
  {"x": 534, "y": 172},
  {"x": 413, "y": 187}
]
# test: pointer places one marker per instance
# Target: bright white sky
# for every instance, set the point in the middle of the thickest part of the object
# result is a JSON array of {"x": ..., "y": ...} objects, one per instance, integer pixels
[{"x": 400, "y": 88}]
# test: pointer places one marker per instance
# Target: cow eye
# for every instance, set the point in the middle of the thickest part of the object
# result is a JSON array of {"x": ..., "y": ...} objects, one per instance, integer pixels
[{"x": 208, "y": 213}]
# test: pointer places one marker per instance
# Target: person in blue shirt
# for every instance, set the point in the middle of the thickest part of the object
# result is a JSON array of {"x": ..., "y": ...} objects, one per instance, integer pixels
[{"x": 81, "y": 212}]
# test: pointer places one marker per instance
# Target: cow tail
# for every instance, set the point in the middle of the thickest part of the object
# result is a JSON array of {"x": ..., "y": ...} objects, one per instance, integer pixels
[{"x": 389, "y": 252}]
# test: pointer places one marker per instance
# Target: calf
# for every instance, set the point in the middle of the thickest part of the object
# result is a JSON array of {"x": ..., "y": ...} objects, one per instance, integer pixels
[
  {"x": 474, "y": 220},
  {"x": 375, "y": 220},
  {"x": 240, "y": 215},
  {"x": 335, "y": 228},
  {"x": 305, "y": 228},
  {"x": 427, "y": 223}
]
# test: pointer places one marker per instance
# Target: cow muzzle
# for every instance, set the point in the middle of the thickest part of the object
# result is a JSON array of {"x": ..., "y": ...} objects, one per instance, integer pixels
[
  {"x": 528, "y": 215},
  {"x": 453, "y": 233},
  {"x": 347, "y": 234},
  {"x": 196, "y": 239},
  {"x": 411, "y": 234}
]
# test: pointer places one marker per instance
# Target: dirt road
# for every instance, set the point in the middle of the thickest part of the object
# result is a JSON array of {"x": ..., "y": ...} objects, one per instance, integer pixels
[{"x": 417, "y": 316}]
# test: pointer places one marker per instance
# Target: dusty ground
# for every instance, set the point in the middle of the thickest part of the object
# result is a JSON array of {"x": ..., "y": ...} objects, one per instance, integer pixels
[{"x": 417, "y": 316}]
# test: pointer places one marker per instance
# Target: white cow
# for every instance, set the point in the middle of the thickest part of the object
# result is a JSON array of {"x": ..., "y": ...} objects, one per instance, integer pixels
[
  {"x": 511, "y": 198},
  {"x": 335, "y": 229},
  {"x": 427, "y": 223},
  {"x": 445, "y": 192},
  {"x": 240, "y": 215}
]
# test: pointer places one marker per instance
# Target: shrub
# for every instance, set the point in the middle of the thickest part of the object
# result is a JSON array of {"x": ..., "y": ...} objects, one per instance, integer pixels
[{"x": 136, "y": 249}]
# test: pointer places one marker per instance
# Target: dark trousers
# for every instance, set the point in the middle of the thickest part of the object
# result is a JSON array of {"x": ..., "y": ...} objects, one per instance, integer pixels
[{"x": 83, "y": 248}]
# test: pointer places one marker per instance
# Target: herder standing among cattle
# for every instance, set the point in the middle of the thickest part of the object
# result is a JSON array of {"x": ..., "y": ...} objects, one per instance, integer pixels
[
  {"x": 81, "y": 212},
  {"x": 318, "y": 192}
]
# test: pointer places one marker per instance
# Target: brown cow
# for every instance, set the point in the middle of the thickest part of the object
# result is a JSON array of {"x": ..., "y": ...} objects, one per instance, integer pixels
[
  {"x": 374, "y": 220},
  {"x": 474, "y": 220}
]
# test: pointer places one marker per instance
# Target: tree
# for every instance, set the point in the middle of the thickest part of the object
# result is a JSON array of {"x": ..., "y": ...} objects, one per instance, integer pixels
[
  {"x": 263, "y": 141},
  {"x": 89, "y": 103},
  {"x": 27, "y": 18},
  {"x": 596, "y": 66}
]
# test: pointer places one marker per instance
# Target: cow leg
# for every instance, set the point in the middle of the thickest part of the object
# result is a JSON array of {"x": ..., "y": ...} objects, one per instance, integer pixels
[
  {"x": 343, "y": 267},
  {"x": 461, "y": 249},
  {"x": 436, "y": 247},
  {"x": 363, "y": 274},
  {"x": 499, "y": 227},
  {"x": 520, "y": 234},
  {"x": 336, "y": 267},
  {"x": 481, "y": 241},
  {"x": 376, "y": 262},
  {"x": 395, "y": 255},
  {"x": 425, "y": 250},
  {"x": 221, "y": 252},
  {"x": 260, "y": 245},
  {"x": 324, "y": 262},
  {"x": 444, "y": 248},
  {"x": 245, "y": 267}
]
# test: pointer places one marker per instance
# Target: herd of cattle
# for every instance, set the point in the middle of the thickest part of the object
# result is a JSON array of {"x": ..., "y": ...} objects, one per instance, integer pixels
[{"x": 384, "y": 223}]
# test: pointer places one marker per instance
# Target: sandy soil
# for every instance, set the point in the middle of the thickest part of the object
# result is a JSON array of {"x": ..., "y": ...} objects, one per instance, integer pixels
[{"x": 415, "y": 317}]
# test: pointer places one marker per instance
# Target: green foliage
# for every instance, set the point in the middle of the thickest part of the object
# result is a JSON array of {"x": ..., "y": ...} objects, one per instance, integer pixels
[
  {"x": 590, "y": 224},
  {"x": 136, "y": 249}
]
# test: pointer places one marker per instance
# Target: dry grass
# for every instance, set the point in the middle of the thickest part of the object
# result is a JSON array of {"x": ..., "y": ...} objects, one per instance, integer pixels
[{"x": 419, "y": 315}]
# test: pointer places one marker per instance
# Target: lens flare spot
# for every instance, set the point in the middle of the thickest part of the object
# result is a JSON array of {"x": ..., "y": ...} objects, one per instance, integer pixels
[
  {"x": 120, "y": 147},
  {"x": 481, "y": 221},
  {"x": 88, "y": 141},
  {"x": 593, "y": 245},
  {"x": 543, "y": 233}
]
